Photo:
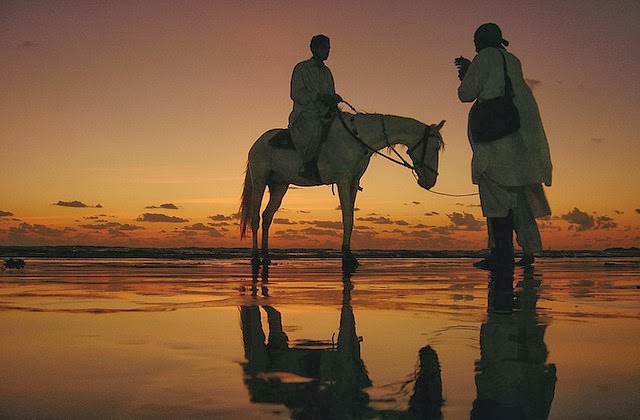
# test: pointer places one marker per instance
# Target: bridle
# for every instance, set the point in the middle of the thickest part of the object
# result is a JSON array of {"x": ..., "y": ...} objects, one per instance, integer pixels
[{"x": 422, "y": 142}]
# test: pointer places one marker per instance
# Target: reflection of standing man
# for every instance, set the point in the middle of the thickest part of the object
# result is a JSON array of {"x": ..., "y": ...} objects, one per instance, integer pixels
[
  {"x": 314, "y": 102},
  {"x": 513, "y": 379}
]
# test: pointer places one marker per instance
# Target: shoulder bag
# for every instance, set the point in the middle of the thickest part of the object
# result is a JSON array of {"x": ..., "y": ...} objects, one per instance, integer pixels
[{"x": 495, "y": 118}]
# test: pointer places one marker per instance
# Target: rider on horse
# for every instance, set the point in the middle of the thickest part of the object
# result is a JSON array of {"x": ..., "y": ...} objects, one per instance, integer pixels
[{"x": 314, "y": 105}]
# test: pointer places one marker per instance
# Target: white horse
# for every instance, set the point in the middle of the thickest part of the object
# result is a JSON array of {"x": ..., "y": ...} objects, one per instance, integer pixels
[{"x": 343, "y": 158}]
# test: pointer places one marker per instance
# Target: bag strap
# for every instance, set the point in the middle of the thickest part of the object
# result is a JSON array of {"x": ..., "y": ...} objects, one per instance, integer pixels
[{"x": 508, "y": 89}]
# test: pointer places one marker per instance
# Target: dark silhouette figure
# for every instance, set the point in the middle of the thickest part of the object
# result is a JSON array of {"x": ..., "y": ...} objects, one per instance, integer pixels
[
  {"x": 510, "y": 170},
  {"x": 513, "y": 380},
  {"x": 314, "y": 105}
]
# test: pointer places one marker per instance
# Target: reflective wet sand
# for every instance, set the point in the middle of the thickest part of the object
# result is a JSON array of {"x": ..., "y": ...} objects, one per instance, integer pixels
[{"x": 399, "y": 338}]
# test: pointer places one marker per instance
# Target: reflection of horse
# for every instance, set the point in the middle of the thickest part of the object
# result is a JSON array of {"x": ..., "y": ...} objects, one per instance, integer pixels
[
  {"x": 323, "y": 378},
  {"x": 513, "y": 379},
  {"x": 342, "y": 160},
  {"x": 315, "y": 379}
]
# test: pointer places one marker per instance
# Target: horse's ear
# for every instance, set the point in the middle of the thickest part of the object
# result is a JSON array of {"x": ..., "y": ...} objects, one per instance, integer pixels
[{"x": 436, "y": 128}]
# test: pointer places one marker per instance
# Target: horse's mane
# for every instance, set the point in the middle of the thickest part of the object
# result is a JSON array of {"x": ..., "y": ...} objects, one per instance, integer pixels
[{"x": 352, "y": 115}]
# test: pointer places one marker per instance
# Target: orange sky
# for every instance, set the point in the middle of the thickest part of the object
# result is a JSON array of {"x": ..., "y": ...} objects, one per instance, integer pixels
[{"x": 149, "y": 108}]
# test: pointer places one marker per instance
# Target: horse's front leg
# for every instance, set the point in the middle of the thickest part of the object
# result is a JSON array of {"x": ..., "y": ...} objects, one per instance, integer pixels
[
  {"x": 256, "y": 203},
  {"x": 347, "y": 192}
]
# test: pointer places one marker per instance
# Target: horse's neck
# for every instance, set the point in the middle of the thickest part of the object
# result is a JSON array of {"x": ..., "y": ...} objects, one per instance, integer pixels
[{"x": 380, "y": 131}]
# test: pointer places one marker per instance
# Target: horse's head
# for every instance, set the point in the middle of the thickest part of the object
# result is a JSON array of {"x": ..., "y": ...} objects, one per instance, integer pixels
[{"x": 424, "y": 155}]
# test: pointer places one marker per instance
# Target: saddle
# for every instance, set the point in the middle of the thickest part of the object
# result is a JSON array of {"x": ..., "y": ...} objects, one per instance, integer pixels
[{"x": 282, "y": 140}]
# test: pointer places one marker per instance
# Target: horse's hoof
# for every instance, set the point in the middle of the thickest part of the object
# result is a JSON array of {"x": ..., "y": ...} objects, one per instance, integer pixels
[{"x": 266, "y": 261}]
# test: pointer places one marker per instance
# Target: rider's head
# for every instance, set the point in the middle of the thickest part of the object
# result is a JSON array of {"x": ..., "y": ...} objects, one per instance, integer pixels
[{"x": 320, "y": 47}]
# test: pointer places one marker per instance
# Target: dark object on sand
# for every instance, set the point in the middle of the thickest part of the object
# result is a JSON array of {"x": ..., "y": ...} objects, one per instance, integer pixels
[{"x": 14, "y": 263}]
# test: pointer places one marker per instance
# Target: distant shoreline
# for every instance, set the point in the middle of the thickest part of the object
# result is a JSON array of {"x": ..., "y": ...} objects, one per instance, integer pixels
[{"x": 200, "y": 253}]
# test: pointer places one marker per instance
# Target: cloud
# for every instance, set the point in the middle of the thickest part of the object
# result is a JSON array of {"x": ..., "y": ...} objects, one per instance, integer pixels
[
  {"x": 421, "y": 234},
  {"x": 432, "y": 213},
  {"x": 221, "y": 217},
  {"x": 317, "y": 232},
  {"x": 283, "y": 221},
  {"x": 444, "y": 230},
  {"x": 339, "y": 207},
  {"x": 199, "y": 227},
  {"x": 638, "y": 211},
  {"x": 166, "y": 206},
  {"x": 26, "y": 229},
  {"x": 118, "y": 234},
  {"x": 109, "y": 226},
  {"x": 579, "y": 220},
  {"x": 466, "y": 220},
  {"x": 605, "y": 222},
  {"x": 377, "y": 220},
  {"x": 5, "y": 213},
  {"x": 75, "y": 204},
  {"x": 324, "y": 224},
  {"x": 618, "y": 212},
  {"x": 160, "y": 218},
  {"x": 290, "y": 235},
  {"x": 598, "y": 140}
]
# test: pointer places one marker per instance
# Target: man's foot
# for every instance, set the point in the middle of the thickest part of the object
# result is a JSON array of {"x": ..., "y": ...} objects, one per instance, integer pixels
[{"x": 526, "y": 260}]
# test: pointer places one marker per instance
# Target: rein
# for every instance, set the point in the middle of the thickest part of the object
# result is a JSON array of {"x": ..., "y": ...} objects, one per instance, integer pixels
[
  {"x": 354, "y": 134},
  {"x": 402, "y": 162}
]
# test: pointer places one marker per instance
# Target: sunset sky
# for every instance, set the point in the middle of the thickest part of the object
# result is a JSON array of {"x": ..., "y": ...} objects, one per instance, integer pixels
[{"x": 129, "y": 122}]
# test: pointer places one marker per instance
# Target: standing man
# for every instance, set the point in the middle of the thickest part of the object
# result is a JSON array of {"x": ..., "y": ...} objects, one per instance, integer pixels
[
  {"x": 509, "y": 171},
  {"x": 314, "y": 105}
]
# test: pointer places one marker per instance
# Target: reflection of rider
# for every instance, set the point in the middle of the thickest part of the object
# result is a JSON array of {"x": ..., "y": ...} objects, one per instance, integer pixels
[
  {"x": 426, "y": 401},
  {"x": 314, "y": 104},
  {"x": 512, "y": 380}
]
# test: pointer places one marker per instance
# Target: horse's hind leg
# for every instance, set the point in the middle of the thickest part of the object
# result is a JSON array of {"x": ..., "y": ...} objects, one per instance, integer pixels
[{"x": 276, "y": 194}]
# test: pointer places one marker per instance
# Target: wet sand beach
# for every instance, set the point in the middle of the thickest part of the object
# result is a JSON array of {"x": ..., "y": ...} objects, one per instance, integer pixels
[{"x": 401, "y": 337}]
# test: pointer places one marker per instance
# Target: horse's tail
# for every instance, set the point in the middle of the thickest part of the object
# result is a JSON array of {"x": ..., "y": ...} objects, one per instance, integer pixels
[{"x": 244, "y": 213}]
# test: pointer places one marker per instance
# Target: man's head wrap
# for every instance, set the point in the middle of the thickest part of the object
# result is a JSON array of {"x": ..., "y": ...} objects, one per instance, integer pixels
[{"x": 490, "y": 35}]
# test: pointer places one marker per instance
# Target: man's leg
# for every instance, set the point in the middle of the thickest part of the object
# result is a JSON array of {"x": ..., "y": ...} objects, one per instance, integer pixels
[
  {"x": 527, "y": 233},
  {"x": 306, "y": 134}
]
